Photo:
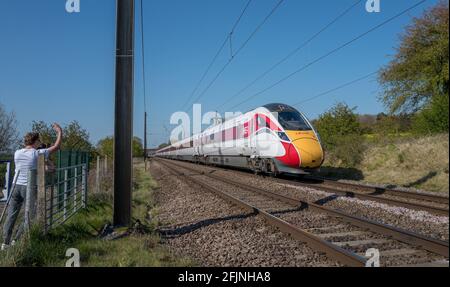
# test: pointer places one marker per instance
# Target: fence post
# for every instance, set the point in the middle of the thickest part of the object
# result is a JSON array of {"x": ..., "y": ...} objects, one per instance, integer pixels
[
  {"x": 30, "y": 201},
  {"x": 83, "y": 186},
  {"x": 7, "y": 179},
  {"x": 105, "y": 171},
  {"x": 97, "y": 177},
  {"x": 50, "y": 206},
  {"x": 41, "y": 203},
  {"x": 75, "y": 189},
  {"x": 66, "y": 176}
]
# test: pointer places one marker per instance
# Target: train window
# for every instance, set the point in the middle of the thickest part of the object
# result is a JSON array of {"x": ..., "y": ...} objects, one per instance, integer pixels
[
  {"x": 211, "y": 137},
  {"x": 283, "y": 136},
  {"x": 289, "y": 118},
  {"x": 261, "y": 122},
  {"x": 293, "y": 120}
]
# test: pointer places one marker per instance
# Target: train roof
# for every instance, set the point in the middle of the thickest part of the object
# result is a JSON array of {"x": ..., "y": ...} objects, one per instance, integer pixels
[{"x": 278, "y": 107}]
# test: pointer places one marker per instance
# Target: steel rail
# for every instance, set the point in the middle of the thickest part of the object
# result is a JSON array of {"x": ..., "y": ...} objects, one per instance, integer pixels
[
  {"x": 433, "y": 245},
  {"x": 376, "y": 190},
  {"x": 354, "y": 194},
  {"x": 344, "y": 256},
  {"x": 369, "y": 197}
]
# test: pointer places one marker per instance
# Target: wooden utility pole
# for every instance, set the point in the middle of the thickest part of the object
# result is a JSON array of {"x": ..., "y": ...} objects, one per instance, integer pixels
[
  {"x": 145, "y": 140},
  {"x": 123, "y": 125}
]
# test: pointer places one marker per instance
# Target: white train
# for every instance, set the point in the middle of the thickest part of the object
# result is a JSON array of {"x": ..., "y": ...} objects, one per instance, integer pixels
[{"x": 273, "y": 139}]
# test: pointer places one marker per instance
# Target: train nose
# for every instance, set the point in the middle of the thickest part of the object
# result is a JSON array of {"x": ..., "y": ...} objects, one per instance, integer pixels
[{"x": 308, "y": 147}]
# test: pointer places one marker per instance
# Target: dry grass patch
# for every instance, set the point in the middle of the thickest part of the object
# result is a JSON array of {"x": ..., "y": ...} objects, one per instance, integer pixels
[{"x": 421, "y": 163}]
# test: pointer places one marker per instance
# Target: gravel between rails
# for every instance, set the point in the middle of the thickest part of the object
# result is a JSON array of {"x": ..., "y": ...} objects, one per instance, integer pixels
[
  {"x": 414, "y": 220},
  {"x": 400, "y": 188},
  {"x": 389, "y": 196},
  {"x": 200, "y": 225}
]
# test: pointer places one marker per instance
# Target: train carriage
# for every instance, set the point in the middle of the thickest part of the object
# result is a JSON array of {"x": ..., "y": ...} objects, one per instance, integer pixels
[{"x": 275, "y": 138}]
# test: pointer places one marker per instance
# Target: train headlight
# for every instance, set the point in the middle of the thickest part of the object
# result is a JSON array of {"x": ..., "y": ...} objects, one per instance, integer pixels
[{"x": 283, "y": 136}]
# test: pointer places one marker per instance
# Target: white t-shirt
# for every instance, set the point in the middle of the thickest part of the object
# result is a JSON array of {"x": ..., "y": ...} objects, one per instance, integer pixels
[{"x": 26, "y": 160}]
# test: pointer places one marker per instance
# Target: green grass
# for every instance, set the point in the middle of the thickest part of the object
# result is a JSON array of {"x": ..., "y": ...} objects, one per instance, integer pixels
[{"x": 81, "y": 232}]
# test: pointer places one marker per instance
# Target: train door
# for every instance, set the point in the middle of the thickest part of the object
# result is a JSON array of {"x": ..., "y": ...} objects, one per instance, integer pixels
[{"x": 254, "y": 126}]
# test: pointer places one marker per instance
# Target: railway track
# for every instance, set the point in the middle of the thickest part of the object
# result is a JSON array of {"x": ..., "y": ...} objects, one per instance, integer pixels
[
  {"x": 376, "y": 190},
  {"x": 418, "y": 201},
  {"x": 341, "y": 236},
  {"x": 435, "y": 204}
]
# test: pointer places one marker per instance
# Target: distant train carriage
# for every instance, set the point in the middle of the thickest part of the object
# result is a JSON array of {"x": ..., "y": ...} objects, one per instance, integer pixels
[{"x": 274, "y": 139}]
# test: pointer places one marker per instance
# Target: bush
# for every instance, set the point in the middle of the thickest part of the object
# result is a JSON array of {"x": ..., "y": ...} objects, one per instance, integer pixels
[
  {"x": 434, "y": 118},
  {"x": 341, "y": 135},
  {"x": 337, "y": 122},
  {"x": 392, "y": 124},
  {"x": 348, "y": 151}
]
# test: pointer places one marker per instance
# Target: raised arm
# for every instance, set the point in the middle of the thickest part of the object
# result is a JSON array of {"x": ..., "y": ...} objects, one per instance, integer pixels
[{"x": 55, "y": 147}]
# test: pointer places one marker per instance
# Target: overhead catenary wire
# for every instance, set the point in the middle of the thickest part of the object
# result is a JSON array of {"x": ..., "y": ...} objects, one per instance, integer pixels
[
  {"x": 359, "y": 79},
  {"x": 329, "y": 53},
  {"x": 274, "y": 9},
  {"x": 291, "y": 54},
  {"x": 216, "y": 56}
]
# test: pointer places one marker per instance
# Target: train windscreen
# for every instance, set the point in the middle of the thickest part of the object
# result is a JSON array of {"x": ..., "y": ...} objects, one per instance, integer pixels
[{"x": 289, "y": 118}]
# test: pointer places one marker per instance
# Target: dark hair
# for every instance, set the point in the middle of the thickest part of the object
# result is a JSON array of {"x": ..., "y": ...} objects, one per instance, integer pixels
[
  {"x": 31, "y": 138},
  {"x": 43, "y": 146}
]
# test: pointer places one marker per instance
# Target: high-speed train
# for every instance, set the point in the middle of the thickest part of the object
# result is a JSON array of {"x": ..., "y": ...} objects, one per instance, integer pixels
[{"x": 272, "y": 139}]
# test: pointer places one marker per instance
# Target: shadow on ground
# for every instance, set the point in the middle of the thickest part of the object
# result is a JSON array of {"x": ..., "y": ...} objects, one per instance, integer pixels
[
  {"x": 341, "y": 173},
  {"x": 422, "y": 180},
  {"x": 171, "y": 233}
]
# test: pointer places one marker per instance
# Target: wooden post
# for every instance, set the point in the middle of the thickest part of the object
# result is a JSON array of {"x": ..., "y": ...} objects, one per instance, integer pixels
[
  {"x": 97, "y": 173},
  {"x": 49, "y": 212},
  {"x": 29, "y": 200},
  {"x": 145, "y": 140},
  {"x": 7, "y": 180},
  {"x": 41, "y": 207},
  {"x": 106, "y": 166},
  {"x": 123, "y": 124}
]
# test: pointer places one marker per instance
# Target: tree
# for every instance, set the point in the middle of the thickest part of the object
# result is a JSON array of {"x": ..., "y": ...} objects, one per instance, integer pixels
[
  {"x": 419, "y": 72},
  {"x": 341, "y": 135},
  {"x": 163, "y": 145},
  {"x": 8, "y": 131},
  {"x": 434, "y": 118},
  {"x": 74, "y": 136},
  {"x": 392, "y": 124},
  {"x": 138, "y": 149},
  {"x": 105, "y": 147},
  {"x": 338, "y": 121}
]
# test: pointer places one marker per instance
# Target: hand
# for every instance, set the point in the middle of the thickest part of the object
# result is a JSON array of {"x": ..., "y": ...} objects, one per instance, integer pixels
[{"x": 57, "y": 128}]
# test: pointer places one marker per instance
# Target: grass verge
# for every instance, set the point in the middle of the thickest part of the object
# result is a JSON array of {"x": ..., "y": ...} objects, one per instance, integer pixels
[{"x": 413, "y": 162}]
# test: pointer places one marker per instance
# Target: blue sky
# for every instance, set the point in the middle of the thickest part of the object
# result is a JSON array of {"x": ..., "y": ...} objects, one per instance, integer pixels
[{"x": 56, "y": 66}]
